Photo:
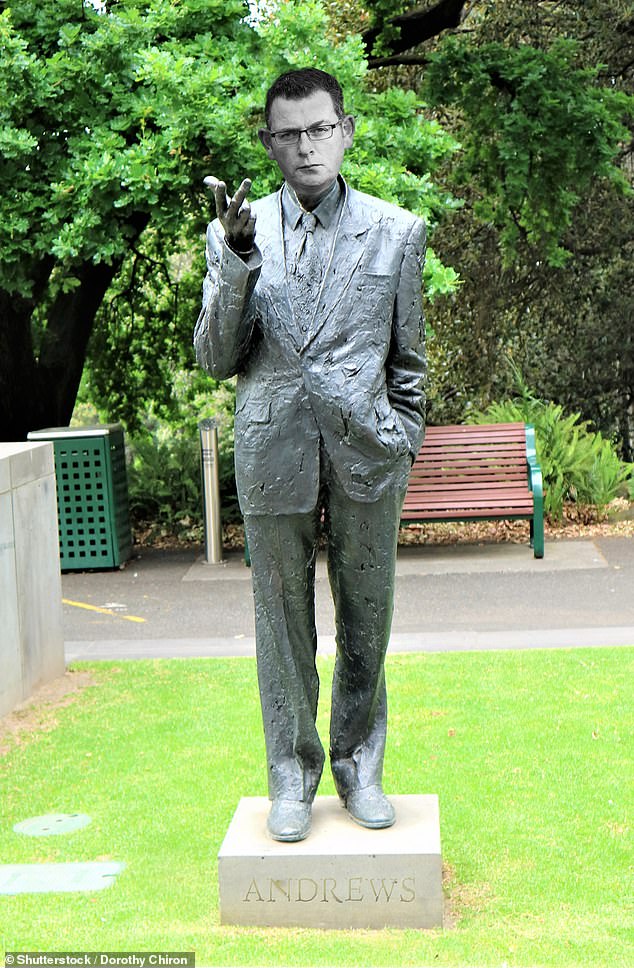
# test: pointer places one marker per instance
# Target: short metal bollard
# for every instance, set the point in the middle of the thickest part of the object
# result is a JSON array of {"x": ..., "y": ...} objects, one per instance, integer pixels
[{"x": 211, "y": 491}]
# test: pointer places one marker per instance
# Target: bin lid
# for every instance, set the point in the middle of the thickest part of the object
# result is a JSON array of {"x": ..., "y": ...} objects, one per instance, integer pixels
[{"x": 49, "y": 433}]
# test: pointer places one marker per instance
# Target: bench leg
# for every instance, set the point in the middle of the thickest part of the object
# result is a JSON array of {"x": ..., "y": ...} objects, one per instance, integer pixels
[
  {"x": 537, "y": 531},
  {"x": 536, "y": 484}
]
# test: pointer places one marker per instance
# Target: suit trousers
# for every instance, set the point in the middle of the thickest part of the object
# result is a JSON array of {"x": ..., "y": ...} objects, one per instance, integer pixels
[{"x": 361, "y": 555}]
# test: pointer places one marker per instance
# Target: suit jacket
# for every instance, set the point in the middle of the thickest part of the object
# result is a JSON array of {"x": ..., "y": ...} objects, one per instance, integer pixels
[{"x": 355, "y": 380}]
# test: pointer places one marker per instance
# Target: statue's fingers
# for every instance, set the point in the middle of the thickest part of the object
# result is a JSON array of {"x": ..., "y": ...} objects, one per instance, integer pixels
[
  {"x": 241, "y": 194},
  {"x": 220, "y": 194},
  {"x": 222, "y": 202}
]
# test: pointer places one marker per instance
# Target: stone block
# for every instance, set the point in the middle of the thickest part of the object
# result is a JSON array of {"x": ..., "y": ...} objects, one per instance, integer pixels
[
  {"x": 342, "y": 876},
  {"x": 5, "y": 471},
  {"x": 31, "y": 643},
  {"x": 39, "y": 582},
  {"x": 29, "y": 462},
  {"x": 10, "y": 651}
]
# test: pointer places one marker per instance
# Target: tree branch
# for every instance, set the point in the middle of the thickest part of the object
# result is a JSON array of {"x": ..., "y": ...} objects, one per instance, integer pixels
[
  {"x": 399, "y": 60},
  {"x": 417, "y": 26}
]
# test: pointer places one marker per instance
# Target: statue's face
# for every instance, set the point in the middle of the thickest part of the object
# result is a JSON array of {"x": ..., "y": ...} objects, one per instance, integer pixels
[{"x": 309, "y": 167}]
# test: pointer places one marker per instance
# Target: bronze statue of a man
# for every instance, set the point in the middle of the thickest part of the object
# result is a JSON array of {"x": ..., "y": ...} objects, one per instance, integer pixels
[{"x": 319, "y": 313}]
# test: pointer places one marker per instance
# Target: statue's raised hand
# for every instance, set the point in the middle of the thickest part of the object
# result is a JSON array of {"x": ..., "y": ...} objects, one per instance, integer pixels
[{"x": 234, "y": 214}]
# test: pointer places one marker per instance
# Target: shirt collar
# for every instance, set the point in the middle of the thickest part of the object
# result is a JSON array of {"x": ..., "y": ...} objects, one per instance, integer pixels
[{"x": 324, "y": 212}]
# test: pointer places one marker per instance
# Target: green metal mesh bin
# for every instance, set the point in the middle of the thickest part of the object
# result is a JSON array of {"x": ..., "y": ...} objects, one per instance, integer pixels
[{"x": 92, "y": 495}]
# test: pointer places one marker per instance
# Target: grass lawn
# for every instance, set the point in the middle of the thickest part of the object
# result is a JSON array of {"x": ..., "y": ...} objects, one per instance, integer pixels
[{"x": 531, "y": 754}]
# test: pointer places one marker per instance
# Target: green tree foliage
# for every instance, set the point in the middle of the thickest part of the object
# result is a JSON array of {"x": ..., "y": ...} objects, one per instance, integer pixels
[
  {"x": 538, "y": 95},
  {"x": 538, "y": 116},
  {"x": 537, "y": 133},
  {"x": 112, "y": 115},
  {"x": 107, "y": 121},
  {"x": 113, "y": 112}
]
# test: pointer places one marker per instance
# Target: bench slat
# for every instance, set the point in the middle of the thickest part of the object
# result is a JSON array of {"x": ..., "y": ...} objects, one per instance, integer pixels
[
  {"x": 494, "y": 461},
  {"x": 475, "y": 430},
  {"x": 499, "y": 489},
  {"x": 512, "y": 447},
  {"x": 516, "y": 503},
  {"x": 467, "y": 474},
  {"x": 485, "y": 431},
  {"x": 466, "y": 439},
  {"x": 467, "y": 468},
  {"x": 465, "y": 514},
  {"x": 471, "y": 453},
  {"x": 512, "y": 451}
]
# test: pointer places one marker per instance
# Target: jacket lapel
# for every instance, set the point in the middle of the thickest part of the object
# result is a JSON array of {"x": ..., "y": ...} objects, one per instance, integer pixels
[
  {"x": 350, "y": 245},
  {"x": 273, "y": 280},
  {"x": 349, "y": 248}
]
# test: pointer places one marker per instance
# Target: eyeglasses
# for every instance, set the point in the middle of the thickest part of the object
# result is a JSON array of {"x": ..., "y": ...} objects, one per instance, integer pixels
[{"x": 291, "y": 136}]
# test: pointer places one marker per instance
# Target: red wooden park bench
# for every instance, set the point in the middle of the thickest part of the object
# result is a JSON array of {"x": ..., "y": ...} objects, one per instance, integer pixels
[{"x": 478, "y": 473}]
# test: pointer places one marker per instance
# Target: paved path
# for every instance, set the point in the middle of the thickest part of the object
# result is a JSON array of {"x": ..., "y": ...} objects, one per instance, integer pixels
[{"x": 171, "y": 604}]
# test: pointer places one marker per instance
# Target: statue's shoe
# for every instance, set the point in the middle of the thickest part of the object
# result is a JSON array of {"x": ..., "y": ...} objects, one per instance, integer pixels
[
  {"x": 289, "y": 820},
  {"x": 370, "y": 807}
]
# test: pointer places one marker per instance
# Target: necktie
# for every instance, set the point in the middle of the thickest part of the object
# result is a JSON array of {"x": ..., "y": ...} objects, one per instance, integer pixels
[{"x": 307, "y": 275}]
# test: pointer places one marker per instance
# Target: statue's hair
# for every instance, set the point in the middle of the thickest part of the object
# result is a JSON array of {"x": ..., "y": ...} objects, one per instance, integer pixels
[{"x": 298, "y": 84}]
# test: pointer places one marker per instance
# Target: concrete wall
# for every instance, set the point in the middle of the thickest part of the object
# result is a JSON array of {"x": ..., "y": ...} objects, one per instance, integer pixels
[{"x": 31, "y": 640}]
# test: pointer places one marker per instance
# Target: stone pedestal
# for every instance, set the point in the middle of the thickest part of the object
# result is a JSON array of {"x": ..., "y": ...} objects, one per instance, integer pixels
[
  {"x": 341, "y": 876},
  {"x": 31, "y": 640}
]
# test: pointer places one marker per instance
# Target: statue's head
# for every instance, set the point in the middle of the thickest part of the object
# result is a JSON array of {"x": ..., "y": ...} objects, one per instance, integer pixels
[{"x": 307, "y": 130}]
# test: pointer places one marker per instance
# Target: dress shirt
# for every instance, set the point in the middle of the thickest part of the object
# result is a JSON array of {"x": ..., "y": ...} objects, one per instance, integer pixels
[{"x": 307, "y": 257}]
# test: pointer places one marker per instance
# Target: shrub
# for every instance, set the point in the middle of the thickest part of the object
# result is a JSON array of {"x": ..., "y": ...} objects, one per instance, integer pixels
[
  {"x": 164, "y": 481},
  {"x": 577, "y": 464},
  {"x": 163, "y": 452}
]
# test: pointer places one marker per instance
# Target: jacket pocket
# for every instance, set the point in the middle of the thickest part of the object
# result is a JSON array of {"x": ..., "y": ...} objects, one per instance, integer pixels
[{"x": 390, "y": 429}]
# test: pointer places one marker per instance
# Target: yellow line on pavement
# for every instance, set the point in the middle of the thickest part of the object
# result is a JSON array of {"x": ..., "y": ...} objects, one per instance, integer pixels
[{"x": 103, "y": 611}]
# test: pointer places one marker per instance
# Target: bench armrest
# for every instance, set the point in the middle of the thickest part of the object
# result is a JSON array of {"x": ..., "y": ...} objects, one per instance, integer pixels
[{"x": 535, "y": 483}]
